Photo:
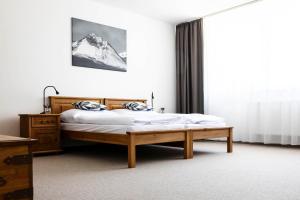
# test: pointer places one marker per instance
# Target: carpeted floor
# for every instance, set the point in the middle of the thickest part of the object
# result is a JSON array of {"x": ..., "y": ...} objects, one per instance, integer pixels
[{"x": 252, "y": 172}]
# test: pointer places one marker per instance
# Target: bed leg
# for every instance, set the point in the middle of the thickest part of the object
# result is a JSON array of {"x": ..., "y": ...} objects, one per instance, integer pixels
[
  {"x": 131, "y": 152},
  {"x": 229, "y": 141},
  {"x": 188, "y": 145}
]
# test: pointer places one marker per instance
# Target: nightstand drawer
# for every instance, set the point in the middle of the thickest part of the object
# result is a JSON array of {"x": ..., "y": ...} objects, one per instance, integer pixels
[
  {"x": 46, "y": 136},
  {"x": 44, "y": 121},
  {"x": 48, "y": 139}
]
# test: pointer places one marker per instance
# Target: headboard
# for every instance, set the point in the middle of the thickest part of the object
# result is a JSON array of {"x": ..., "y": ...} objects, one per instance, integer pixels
[
  {"x": 117, "y": 103},
  {"x": 59, "y": 104}
]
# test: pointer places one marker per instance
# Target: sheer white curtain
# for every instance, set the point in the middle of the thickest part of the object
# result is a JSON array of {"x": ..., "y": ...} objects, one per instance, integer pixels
[{"x": 252, "y": 70}]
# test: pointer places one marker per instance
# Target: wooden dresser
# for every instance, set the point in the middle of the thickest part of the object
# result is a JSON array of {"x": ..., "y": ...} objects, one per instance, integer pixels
[
  {"x": 45, "y": 128},
  {"x": 15, "y": 168}
]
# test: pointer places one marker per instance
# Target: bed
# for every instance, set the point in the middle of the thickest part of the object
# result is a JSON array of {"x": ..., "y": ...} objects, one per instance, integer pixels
[{"x": 136, "y": 137}]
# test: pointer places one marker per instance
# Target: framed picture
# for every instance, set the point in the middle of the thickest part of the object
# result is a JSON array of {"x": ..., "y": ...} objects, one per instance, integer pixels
[{"x": 98, "y": 46}]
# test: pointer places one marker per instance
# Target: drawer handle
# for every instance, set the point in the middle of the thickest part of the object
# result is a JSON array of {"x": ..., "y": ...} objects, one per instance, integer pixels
[
  {"x": 2, "y": 182},
  {"x": 46, "y": 122},
  {"x": 18, "y": 160}
]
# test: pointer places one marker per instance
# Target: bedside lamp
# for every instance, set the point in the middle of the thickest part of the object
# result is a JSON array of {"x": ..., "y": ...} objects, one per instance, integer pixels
[{"x": 44, "y": 98}]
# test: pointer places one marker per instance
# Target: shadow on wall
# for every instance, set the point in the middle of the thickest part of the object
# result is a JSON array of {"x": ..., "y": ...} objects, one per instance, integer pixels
[{"x": 10, "y": 126}]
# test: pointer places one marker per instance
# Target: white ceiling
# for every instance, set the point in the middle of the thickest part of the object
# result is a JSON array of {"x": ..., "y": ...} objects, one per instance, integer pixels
[{"x": 174, "y": 11}]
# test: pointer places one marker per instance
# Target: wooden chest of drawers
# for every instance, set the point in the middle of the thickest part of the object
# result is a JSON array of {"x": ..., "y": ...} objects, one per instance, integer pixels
[
  {"x": 45, "y": 128},
  {"x": 15, "y": 168}
]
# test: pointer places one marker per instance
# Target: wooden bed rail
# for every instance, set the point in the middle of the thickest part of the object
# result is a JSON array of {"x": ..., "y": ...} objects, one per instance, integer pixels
[{"x": 133, "y": 139}]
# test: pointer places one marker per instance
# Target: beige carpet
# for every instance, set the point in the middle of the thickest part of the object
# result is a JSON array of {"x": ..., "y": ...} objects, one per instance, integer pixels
[{"x": 252, "y": 172}]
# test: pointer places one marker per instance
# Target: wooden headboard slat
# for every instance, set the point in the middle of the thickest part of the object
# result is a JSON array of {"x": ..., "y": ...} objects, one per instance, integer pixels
[
  {"x": 60, "y": 104},
  {"x": 112, "y": 103}
]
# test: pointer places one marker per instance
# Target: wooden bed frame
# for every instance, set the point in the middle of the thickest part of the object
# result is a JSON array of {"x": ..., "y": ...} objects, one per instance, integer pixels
[{"x": 133, "y": 139}]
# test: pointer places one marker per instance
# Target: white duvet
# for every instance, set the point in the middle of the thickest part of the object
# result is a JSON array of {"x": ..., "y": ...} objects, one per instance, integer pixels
[
  {"x": 151, "y": 117},
  {"x": 128, "y": 117}
]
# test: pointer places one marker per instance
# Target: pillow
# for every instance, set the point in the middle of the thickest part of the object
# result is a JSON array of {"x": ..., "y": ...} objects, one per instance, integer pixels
[
  {"x": 136, "y": 106},
  {"x": 89, "y": 105}
]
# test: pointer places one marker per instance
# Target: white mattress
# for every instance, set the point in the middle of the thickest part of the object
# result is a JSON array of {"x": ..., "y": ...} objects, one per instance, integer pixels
[
  {"x": 132, "y": 118},
  {"x": 122, "y": 129}
]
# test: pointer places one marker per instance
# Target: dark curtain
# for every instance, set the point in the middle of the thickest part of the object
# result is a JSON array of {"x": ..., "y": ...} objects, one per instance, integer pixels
[{"x": 189, "y": 67}]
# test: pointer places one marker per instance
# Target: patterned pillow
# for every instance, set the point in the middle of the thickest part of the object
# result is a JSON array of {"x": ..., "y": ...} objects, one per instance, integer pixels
[
  {"x": 136, "y": 106},
  {"x": 89, "y": 105}
]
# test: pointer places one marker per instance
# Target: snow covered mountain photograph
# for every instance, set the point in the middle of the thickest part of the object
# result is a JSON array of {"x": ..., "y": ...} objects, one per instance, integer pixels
[{"x": 98, "y": 46}]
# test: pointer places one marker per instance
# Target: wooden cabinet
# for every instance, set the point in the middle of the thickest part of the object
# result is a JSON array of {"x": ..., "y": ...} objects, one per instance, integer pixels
[
  {"x": 45, "y": 128},
  {"x": 15, "y": 168}
]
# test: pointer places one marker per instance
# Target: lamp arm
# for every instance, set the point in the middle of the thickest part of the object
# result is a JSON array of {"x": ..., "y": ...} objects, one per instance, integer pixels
[
  {"x": 44, "y": 96},
  {"x": 44, "y": 99}
]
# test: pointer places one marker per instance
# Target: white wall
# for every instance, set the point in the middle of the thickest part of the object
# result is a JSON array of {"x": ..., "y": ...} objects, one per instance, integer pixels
[{"x": 35, "y": 51}]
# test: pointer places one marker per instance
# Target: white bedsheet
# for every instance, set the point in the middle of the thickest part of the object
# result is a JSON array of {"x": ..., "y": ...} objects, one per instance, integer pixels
[
  {"x": 122, "y": 129},
  {"x": 118, "y": 129},
  {"x": 151, "y": 117}
]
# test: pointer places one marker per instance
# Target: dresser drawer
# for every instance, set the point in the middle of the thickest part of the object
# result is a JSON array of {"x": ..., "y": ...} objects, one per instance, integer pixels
[
  {"x": 15, "y": 177},
  {"x": 15, "y": 168},
  {"x": 44, "y": 121},
  {"x": 15, "y": 171},
  {"x": 14, "y": 156}
]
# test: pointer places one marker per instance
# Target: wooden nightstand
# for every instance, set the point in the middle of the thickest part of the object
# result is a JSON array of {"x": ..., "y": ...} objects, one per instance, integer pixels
[{"x": 45, "y": 128}]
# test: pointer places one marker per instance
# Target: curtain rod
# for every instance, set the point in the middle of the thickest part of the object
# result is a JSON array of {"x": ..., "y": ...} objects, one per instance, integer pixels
[
  {"x": 227, "y": 9},
  {"x": 231, "y": 8}
]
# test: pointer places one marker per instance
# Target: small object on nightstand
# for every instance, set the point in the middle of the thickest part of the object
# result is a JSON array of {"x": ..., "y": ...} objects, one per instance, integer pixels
[
  {"x": 47, "y": 108},
  {"x": 152, "y": 101},
  {"x": 162, "y": 110},
  {"x": 16, "y": 168},
  {"x": 45, "y": 128}
]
